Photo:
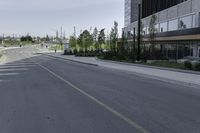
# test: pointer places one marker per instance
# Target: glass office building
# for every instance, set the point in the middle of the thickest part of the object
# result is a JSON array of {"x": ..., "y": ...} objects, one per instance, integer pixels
[{"x": 177, "y": 24}]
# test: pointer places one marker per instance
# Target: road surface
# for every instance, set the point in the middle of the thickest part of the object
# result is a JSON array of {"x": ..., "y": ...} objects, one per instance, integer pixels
[{"x": 40, "y": 94}]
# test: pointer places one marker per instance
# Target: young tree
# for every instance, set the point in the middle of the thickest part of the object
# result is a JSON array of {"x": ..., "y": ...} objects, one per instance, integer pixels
[
  {"x": 87, "y": 40},
  {"x": 95, "y": 38},
  {"x": 101, "y": 38},
  {"x": 114, "y": 36},
  {"x": 121, "y": 47},
  {"x": 47, "y": 38},
  {"x": 152, "y": 31},
  {"x": 72, "y": 42},
  {"x": 80, "y": 42}
]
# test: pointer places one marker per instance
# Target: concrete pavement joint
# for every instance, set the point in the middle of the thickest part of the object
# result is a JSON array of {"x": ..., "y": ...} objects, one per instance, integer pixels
[{"x": 111, "y": 110}]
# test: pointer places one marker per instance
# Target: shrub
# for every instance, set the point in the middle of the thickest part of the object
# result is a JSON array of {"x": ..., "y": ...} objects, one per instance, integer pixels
[
  {"x": 75, "y": 51},
  {"x": 114, "y": 58},
  {"x": 188, "y": 65},
  {"x": 66, "y": 52},
  {"x": 197, "y": 66},
  {"x": 86, "y": 54}
]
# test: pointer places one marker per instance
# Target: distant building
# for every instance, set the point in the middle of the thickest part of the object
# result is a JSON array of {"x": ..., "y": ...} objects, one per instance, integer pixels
[{"x": 177, "y": 24}]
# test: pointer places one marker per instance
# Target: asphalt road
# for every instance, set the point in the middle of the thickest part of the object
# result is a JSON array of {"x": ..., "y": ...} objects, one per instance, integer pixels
[{"x": 40, "y": 94}]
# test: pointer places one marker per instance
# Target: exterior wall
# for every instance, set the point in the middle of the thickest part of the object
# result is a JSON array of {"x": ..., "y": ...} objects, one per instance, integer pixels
[
  {"x": 127, "y": 17},
  {"x": 134, "y": 10}
]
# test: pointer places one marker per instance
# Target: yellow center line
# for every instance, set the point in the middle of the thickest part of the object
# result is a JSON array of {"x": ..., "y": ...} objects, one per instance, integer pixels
[{"x": 111, "y": 110}]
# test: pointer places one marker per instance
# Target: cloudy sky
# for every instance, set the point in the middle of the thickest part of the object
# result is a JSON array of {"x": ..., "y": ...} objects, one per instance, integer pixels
[{"x": 41, "y": 17}]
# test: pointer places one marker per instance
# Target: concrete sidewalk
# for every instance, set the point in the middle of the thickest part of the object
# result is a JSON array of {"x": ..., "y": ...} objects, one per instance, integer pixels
[
  {"x": 177, "y": 77},
  {"x": 2, "y": 57}
]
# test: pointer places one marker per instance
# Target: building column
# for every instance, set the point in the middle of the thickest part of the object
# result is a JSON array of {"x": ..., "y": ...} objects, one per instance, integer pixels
[
  {"x": 198, "y": 55},
  {"x": 177, "y": 50},
  {"x": 195, "y": 50}
]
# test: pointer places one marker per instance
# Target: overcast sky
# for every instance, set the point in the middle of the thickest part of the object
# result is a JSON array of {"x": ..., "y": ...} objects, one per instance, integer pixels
[{"x": 41, "y": 17}]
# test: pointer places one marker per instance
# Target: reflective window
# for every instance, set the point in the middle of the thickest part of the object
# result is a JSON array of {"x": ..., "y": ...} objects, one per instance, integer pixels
[
  {"x": 173, "y": 25},
  {"x": 163, "y": 27},
  {"x": 145, "y": 30},
  {"x": 157, "y": 27},
  {"x": 193, "y": 21},
  {"x": 185, "y": 22}
]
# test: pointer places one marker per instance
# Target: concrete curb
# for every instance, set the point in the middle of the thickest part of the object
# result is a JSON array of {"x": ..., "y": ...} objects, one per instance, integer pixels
[
  {"x": 154, "y": 67},
  {"x": 91, "y": 64}
]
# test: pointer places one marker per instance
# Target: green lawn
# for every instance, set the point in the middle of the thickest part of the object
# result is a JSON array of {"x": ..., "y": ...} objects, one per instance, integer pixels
[
  {"x": 26, "y": 43},
  {"x": 57, "y": 47},
  {"x": 166, "y": 64}
]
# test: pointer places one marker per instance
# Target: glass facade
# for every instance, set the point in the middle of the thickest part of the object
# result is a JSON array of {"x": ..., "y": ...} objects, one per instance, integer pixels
[
  {"x": 181, "y": 23},
  {"x": 185, "y": 22},
  {"x": 163, "y": 27},
  {"x": 173, "y": 25}
]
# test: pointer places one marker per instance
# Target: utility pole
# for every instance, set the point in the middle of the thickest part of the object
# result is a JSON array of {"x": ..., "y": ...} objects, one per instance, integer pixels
[{"x": 138, "y": 36}]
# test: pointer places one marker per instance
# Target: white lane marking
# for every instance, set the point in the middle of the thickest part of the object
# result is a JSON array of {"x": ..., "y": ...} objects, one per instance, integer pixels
[
  {"x": 12, "y": 69},
  {"x": 8, "y": 74},
  {"x": 116, "y": 113}
]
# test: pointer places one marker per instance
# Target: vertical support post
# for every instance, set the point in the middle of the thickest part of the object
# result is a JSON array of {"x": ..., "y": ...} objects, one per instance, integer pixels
[
  {"x": 138, "y": 36},
  {"x": 177, "y": 51},
  {"x": 134, "y": 37},
  {"x": 190, "y": 50},
  {"x": 167, "y": 55}
]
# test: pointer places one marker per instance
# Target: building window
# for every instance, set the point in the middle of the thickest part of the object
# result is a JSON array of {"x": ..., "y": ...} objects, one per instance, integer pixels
[
  {"x": 163, "y": 27},
  {"x": 173, "y": 25},
  {"x": 185, "y": 22}
]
